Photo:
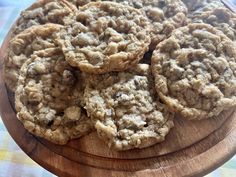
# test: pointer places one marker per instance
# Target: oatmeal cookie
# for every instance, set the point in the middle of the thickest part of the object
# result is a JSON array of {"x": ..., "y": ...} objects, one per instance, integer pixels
[
  {"x": 164, "y": 16},
  {"x": 105, "y": 36},
  {"x": 20, "y": 48},
  {"x": 42, "y": 12},
  {"x": 48, "y": 98},
  {"x": 221, "y": 18},
  {"x": 125, "y": 109},
  {"x": 195, "y": 70}
]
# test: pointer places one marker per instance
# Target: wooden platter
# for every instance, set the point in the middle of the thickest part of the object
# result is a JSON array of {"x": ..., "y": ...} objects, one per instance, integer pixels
[{"x": 193, "y": 148}]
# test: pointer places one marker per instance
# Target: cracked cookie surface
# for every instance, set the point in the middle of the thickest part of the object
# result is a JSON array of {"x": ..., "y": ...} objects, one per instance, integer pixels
[
  {"x": 48, "y": 98},
  {"x": 195, "y": 71},
  {"x": 104, "y": 37},
  {"x": 20, "y": 48},
  {"x": 125, "y": 109}
]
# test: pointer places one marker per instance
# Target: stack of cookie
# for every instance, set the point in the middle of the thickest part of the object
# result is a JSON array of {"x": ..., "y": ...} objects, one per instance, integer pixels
[{"x": 122, "y": 69}]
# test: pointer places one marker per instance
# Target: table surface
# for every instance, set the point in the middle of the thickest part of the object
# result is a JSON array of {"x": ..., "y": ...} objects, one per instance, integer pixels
[{"x": 13, "y": 161}]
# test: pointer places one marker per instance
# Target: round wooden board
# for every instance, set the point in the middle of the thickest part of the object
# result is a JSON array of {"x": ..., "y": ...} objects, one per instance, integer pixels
[{"x": 192, "y": 148}]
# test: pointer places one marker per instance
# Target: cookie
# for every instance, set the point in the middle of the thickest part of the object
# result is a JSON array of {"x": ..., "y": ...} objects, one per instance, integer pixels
[
  {"x": 164, "y": 16},
  {"x": 195, "y": 70},
  {"x": 104, "y": 37},
  {"x": 20, "y": 48},
  {"x": 48, "y": 98},
  {"x": 126, "y": 112},
  {"x": 42, "y": 12},
  {"x": 221, "y": 18}
]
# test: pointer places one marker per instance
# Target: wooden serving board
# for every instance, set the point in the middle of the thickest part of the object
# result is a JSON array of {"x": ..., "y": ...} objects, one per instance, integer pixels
[{"x": 192, "y": 148}]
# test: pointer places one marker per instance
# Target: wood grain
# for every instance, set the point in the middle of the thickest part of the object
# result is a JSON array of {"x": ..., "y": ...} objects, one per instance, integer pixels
[{"x": 193, "y": 148}]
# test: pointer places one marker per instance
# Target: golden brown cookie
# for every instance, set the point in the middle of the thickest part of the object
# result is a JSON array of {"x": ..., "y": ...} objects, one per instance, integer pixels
[
  {"x": 48, "y": 98},
  {"x": 126, "y": 110},
  {"x": 104, "y": 37},
  {"x": 195, "y": 71}
]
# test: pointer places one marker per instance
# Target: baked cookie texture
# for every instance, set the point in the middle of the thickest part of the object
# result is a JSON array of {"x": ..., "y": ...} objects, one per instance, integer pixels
[
  {"x": 221, "y": 18},
  {"x": 42, "y": 12},
  {"x": 104, "y": 37},
  {"x": 125, "y": 109},
  {"x": 48, "y": 98},
  {"x": 164, "y": 16},
  {"x": 23, "y": 45},
  {"x": 195, "y": 71}
]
